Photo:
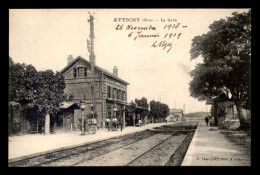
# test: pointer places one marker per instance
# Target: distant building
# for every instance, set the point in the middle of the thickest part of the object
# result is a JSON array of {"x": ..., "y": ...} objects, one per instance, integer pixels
[{"x": 175, "y": 114}]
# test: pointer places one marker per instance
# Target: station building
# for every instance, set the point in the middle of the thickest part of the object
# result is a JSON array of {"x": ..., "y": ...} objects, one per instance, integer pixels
[{"x": 109, "y": 93}]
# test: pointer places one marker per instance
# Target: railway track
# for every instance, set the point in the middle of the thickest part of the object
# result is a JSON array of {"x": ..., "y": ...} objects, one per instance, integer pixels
[
  {"x": 45, "y": 159},
  {"x": 177, "y": 157},
  {"x": 146, "y": 152},
  {"x": 96, "y": 148},
  {"x": 158, "y": 161},
  {"x": 75, "y": 164},
  {"x": 170, "y": 160},
  {"x": 77, "y": 155}
]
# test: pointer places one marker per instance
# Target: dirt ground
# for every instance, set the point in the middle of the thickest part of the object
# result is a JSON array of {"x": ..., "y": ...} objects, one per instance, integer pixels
[{"x": 240, "y": 138}]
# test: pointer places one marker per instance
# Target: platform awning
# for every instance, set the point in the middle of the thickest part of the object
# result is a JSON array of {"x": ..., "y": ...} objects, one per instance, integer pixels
[
  {"x": 137, "y": 107},
  {"x": 65, "y": 105},
  {"x": 140, "y": 107},
  {"x": 116, "y": 101}
]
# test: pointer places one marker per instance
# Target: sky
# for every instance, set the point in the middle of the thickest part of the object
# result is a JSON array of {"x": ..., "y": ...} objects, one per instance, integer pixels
[{"x": 46, "y": 37}]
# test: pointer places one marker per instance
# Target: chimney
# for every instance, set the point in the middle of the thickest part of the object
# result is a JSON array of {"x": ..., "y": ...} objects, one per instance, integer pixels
[
  {"x": 70, "y": 59},
  {"x": 115, "y": 71}
]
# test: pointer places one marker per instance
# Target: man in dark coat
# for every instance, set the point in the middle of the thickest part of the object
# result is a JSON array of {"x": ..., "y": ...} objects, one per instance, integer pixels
[{"x": 207, "y": 120}]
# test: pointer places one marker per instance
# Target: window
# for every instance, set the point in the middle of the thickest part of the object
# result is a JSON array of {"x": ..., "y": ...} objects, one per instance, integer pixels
[
  {"x": 118, "y": 94},
  {"x": 108, "y": 91},
  {"x": 123, "y": 95},
  {"x": 114, "y": 93},
  {"x": 80, "y": 72}
]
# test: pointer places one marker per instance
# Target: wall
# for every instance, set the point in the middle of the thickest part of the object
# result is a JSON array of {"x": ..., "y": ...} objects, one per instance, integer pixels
[
  {"x": 80, "y": 87},
  {"x": 113, "y": 83}
]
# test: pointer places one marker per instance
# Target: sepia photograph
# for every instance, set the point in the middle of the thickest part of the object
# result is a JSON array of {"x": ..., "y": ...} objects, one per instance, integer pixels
[{"x": 129, "y": 87}]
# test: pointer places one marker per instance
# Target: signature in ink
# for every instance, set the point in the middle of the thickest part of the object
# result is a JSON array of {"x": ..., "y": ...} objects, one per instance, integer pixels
[{"x": 163, "y": 44}]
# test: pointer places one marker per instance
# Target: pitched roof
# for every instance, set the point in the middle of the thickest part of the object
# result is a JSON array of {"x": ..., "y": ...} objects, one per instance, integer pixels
[{"x": 97, "y": 67}]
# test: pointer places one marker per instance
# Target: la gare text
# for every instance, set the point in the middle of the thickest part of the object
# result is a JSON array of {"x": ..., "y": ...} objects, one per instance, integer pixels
[{"x": 144, "y": 20}]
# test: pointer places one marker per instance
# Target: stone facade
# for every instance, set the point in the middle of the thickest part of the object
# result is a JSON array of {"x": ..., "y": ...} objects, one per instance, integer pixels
[{"x": 109, "y": 90}]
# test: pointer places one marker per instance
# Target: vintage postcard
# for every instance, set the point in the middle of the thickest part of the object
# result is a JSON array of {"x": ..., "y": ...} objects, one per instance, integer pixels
[{"x": 129, "y": 87}]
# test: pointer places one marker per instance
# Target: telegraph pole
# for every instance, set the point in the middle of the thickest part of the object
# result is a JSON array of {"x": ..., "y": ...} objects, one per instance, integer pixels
[{"x": 92, "y": 59}]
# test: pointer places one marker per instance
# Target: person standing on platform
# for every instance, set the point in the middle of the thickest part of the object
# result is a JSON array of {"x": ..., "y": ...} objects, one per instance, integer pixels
[
  {"x": 207, "y": 120},
  {"x": 114, "y": 122},
  {"x": 107, "y": 122},
  {"x": 120, "y": 122}
]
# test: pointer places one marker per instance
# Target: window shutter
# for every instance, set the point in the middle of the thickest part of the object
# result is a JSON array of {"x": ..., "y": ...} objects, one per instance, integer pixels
[
  {"x": 109, "y": 91},
  {"x": 85, "y": 71},
  {"x": 75, "y": 73}
]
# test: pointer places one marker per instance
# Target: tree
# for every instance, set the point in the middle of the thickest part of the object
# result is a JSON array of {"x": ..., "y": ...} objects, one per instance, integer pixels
[
  {"x": 165, "y": 110},
  {"x": 158, "y": 110},
  {"x": 50, "y": 92},
  {"x": 22, "y": 80},
  {"x": 225, "y": 71},
  {"x": 22, "y": 88},
  {"x": 37, "y": 92},
  {"x": 142, "y": 102},
  {"x": 132, "y": 106},
  {"x": 153, "y": 110}
]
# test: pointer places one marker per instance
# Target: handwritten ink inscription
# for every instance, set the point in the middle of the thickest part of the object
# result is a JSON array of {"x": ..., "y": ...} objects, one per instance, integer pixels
[
  {"x": 162, "y": 44},
  {"x": 162, "y": 32}
]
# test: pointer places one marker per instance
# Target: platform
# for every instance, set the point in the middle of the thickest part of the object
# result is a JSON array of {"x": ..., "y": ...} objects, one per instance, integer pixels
[{"x": 211, "y": 148}]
